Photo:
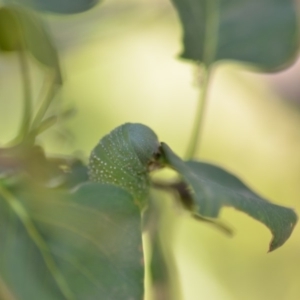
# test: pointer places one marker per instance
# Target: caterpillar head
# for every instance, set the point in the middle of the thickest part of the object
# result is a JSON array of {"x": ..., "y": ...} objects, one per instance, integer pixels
[
  {"x": 144, "y": 142},
  {"x": 124, "y": 157}
]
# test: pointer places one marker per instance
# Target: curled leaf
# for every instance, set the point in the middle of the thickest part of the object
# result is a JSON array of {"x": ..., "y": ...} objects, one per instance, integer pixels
[{"x": 213, "y": 188}]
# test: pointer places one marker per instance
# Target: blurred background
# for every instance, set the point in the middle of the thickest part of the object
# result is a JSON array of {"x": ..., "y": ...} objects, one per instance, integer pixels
[{"x": 120, "y": 64}]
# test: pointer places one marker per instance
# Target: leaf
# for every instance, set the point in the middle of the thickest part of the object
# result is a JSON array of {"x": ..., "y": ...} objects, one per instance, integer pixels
[
  {"x": 60, "y": 6},
  {"x": 260, "y": 32},
  {"x": 77, "y": 173},
  {"x": 22, "y": 29},
  {"x": 212, "y": 188},
  {"x": 10, "y": 35},
  {"x": 5, "y": 294},
  {"x": 83, "y": 245}
]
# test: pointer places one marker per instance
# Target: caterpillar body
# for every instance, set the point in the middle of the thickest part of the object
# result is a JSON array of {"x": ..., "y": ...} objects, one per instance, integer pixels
[{"x": 124, "y": 158}]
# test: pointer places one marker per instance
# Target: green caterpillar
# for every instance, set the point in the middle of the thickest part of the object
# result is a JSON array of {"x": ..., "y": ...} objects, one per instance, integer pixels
[{"x": 124, "y": 157}]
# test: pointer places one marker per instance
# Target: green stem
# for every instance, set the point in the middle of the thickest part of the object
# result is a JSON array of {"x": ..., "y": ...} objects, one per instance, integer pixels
[
  {"x": 26, "y": 118},
  {"x": 37, "y": 238},
  {"x": 209, "y": 54},
  {"x": 200, "y": 111},
  {"x": 51, "y": 89}
]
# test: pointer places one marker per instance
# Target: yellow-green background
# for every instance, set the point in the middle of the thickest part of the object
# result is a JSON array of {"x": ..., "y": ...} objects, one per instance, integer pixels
[{"x": 120, "y": 65}]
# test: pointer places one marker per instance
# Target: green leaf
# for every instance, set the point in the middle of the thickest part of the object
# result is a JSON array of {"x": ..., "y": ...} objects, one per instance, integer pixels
[
  {"x": 212, "y": 188},
  {"x": 260, "y": 32},
  {"x": 60, "y": 6},
  {"x": 10, "y": 31},
  {"x": 22, "y": 29},
  {"x": 83, "y": 245},
  {"x": 77, "y": 174}
]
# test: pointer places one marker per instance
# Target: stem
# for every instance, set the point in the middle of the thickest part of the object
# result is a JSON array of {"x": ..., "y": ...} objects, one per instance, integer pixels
[
  {"x": 164, "y": 277},
  {"x": 25, "y": 123},
  {"x": 49, "y": 95},
  {"x": 209, "y": 54},
  {"x": 18, "y": 208},
  {"x": 199, "y": 119}
]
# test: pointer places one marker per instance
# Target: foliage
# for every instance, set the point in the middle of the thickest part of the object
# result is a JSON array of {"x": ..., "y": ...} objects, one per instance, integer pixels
[
  {"x": 74, "y": 231},
  {"x": 239, "y": 30}
]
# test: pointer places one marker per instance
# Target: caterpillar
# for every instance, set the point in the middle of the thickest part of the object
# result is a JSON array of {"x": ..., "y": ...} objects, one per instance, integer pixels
[{"x": 124, "y": 157}]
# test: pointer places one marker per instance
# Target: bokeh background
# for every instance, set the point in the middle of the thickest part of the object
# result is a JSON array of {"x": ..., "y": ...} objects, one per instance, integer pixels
[{"x": 120, "y": 64}]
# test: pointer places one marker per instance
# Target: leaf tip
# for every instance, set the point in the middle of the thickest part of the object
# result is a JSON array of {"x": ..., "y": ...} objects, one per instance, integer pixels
[{"x": 278, "y": 241}]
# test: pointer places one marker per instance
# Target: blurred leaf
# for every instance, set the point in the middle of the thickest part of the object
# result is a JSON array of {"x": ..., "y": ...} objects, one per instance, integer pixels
[
  {"x": 5, "y": 293},
  {"x": 10, "y": 31},
  {"x": 60, "y": 6},
  {"x": 212, "y": 188},
  {"x": 32, "y": 161},
  {"x": 22, "y": 29},
  {"x": 83, "y": 245},
  {"x": 76, "y": 174},
  {"x": 261, "y": 32},
  {"x": 48, "y": 171}
]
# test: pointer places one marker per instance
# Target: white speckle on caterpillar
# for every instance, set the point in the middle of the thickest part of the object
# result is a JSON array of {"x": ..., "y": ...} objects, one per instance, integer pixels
[{"x": 122, "y": 158}]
